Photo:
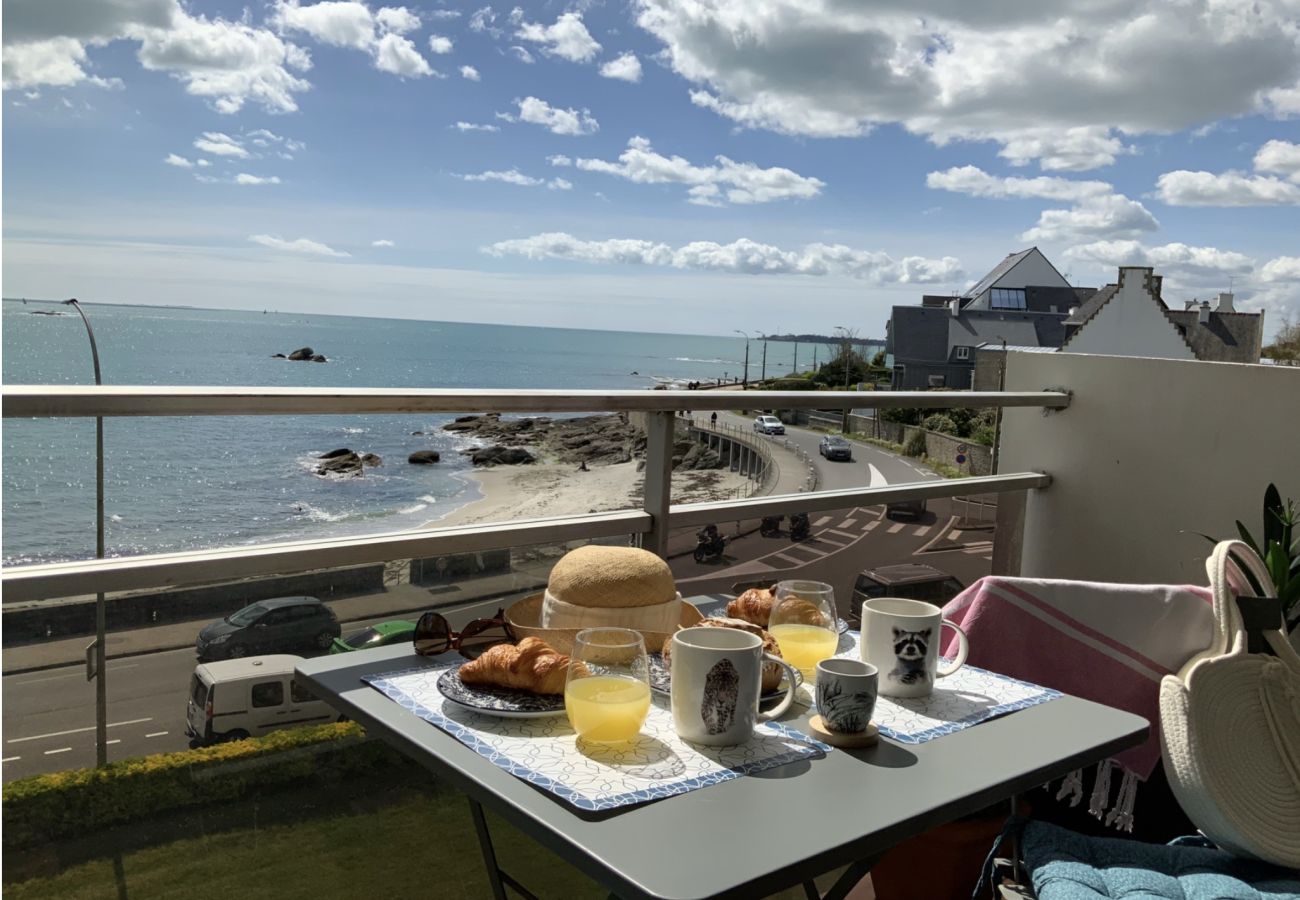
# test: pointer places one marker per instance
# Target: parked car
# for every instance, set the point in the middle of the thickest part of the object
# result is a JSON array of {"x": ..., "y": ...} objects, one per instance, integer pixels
[
  {"x": 239, "y": 698},
  {"x": 380, "y": 634},
  {"x": 270, "y": 626},
  {"x": 913, "y": 508},
  {"x": 769, "y": 425},
  {"x": 909, "y": 580},
  {"x": 833, "y": 446}
]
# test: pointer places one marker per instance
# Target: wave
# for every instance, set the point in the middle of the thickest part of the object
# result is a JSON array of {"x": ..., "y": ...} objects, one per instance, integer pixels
[
  {"x": 356, "y": 430},
  {"x": 318, "y": 515},
  {"x": 408, "y": 510},
  {"x": 693, "y": 359}
]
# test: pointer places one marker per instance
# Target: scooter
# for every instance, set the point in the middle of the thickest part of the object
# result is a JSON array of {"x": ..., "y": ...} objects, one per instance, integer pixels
[
  {"x": 709, "y": 545},
  {"x": 770, "y": 526},
  {"x": 799, "y": 527}
]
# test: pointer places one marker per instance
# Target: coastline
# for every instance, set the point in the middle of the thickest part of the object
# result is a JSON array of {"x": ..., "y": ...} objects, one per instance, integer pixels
[{"x": 542, "y": 490}]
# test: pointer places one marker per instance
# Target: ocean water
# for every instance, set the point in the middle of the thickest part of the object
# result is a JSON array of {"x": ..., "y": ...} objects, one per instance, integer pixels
[{"x": 182, "y": 483}]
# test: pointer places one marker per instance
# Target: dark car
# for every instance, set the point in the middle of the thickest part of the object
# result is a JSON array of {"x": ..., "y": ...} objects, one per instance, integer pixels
[
  {"x": 910, "y": 581},
  {"x": 835, "y": 447},
  {"x": 279, "y": 625},
  {"x": 913, "y": 508}
]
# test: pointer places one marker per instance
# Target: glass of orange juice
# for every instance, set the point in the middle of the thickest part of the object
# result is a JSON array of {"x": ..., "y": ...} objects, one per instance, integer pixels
[
  {"x": 804, "y": 623},
  {"x": 607, "y": 690}
]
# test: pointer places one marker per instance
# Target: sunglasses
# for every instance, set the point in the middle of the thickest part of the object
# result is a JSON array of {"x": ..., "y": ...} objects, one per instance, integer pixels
[{"x": 434, "y": 635}]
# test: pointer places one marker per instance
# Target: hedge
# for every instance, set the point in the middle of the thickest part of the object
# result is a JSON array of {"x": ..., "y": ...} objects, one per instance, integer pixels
[{"x": 78, "y": 801}]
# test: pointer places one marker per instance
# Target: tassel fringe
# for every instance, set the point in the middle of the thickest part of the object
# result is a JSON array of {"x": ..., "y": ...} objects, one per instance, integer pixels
[
  {"x": 1121, "y": 815},
  {"x": 1072, "y": 787},
  {"x": 1100, "y": 790}
]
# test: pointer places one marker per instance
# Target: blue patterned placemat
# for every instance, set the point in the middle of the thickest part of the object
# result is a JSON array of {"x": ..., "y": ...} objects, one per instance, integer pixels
[
  {"x": 545, "y": 752},
  {"x": 967, "y": 697}
]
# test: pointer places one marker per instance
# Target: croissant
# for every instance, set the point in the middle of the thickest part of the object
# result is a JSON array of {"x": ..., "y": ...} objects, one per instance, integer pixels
[
  {"x": 755, "y": 605},
  {"x": 771, "y": 678},
  {"x": 531, "y": 665}
]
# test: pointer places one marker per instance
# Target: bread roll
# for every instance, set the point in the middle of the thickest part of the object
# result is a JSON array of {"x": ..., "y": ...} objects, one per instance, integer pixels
[{"x": 771, "y": 671}]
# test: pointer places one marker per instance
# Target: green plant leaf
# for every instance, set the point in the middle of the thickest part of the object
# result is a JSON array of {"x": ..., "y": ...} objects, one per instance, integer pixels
[
  {"x": 1245, "y": 536},
  {"x": 1273, "y": 510},
  {"x": 1277, "y": 563}
]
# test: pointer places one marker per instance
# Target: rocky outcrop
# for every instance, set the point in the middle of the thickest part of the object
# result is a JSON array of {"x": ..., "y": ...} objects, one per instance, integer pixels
[
  {"x": 371, "y": 459},
  {"x": 302, "y": 354},
  {"x": 498, "y": 455},
  {"x": 341, "y": 462},
  {"x": 594, "y": 440},
  {"x": 424, "y": 457}
]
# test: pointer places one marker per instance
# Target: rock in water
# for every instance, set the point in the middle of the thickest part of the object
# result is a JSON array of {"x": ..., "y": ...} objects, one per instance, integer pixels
[
  {"x": 424, "y": 457},
  {"x": 302, "y": 353},
  {"x": 341, "y": 462},
  {"x": 371, "y": 459}
]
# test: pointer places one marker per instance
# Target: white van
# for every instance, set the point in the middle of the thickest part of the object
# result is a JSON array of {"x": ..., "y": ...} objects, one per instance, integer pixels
[{"x": 238, "y": 698}]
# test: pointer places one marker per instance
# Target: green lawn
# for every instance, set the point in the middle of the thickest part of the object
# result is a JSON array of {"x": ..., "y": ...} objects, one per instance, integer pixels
[{"x": 420, "y": 845}]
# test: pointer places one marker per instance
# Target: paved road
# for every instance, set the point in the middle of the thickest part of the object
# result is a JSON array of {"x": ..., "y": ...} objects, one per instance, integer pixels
[{"x": 49, "y": 716}]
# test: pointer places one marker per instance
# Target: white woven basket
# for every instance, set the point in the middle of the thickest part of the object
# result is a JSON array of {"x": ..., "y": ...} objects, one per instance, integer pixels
[{"x": 1230, "y": 727}]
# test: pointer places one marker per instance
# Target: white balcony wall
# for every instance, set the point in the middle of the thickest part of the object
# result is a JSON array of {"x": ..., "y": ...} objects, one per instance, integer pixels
[{"x": 1149, "y": 452}]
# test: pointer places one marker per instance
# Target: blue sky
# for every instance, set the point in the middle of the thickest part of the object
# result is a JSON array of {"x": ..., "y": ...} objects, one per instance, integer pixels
[{"x": 769, "y": 164}]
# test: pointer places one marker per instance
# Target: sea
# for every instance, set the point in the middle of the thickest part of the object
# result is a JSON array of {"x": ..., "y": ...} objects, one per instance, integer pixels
[{"x": 186, "y": 483}]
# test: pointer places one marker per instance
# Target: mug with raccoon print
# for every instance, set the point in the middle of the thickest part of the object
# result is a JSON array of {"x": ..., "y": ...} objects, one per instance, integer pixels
[{"x": 901, "y": 638}]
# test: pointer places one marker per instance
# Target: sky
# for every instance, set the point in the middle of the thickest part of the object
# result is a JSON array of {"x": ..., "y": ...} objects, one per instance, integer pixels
[{"x": 692, "y": 166}]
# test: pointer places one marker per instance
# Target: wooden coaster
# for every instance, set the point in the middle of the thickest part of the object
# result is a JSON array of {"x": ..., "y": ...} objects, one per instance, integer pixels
[{"x": 847, "y": 741}]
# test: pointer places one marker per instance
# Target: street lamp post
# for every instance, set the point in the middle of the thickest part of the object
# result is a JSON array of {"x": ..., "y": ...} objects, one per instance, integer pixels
[
  {"x": 101, "y": 687},
  {"x": 745, "y": 377}
]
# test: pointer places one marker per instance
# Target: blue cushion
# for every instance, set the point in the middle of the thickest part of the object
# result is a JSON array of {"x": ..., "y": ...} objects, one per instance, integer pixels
[{"x": 1065, "y": 865}]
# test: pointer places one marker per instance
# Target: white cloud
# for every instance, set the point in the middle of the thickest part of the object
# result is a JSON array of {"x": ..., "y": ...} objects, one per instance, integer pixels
[
  {"x": 1095, "y": 218},
  {"x": 744, "y": 182},
  {"x": 179, "y": 162},
  {"x": 398, "y": 56},
  {"x": 553, "y": 118},
  {"x": 559, "y": 159},
  {"x": 202, "y": 163},
  {"x": 1184, "y": 188},
  {"x": 568, "y": 38},
  {"x": 624, "y": 68},
  {"x": 742, "y": 256},
  {"x": 977, "y": 183},
  {"x": 383, "y": 242},
  {"x": 469, "y": 72},
  {"x": 300, "y": 245},
  {"x": 522, "y": 54},
  {"x": 1178, "y": 258},
  {"x": 439, "y": 44},
  {"x": 482, "y": 20},
  {"x": 1060, "y": 81},
  {"x": 245, "y": 178},
  {"x": 220, "y": 144},
  {"x": 1281, "y": 269},
  {"x": 443, "y": 14},
  {"x": 559, "y": 184},
  {"x": 350, "y": 23},
  {"x": 473, "y": 126},
  {"x": 509, "y": 176},
  {"x": 1280, "y": 157}
]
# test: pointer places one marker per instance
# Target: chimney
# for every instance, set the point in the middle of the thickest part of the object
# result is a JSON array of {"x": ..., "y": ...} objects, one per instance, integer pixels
[
  {"x": 1225, "y": 302},
  {"x": 955, "y": 307},
  {"x": 1203, "y": 314},
  {"x": 1189, "y": 304}
]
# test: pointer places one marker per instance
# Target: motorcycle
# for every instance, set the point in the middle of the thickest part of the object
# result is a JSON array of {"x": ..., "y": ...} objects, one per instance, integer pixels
[
  {"x": 709, "y": 545},
  {"x": 770, "y": 526},
  {"x": 800, "y": 527}
]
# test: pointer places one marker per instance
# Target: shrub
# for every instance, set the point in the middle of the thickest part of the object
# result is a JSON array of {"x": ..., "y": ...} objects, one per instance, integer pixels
[
  {"x": 984, "y": 434},
  {"x": 902, "y": 415},
  {"x": 915, "y": 444},
  {"x": 794, "y": 384},
  {"x": 46, "y": 807},
  {"x": 940, "y": 422}
]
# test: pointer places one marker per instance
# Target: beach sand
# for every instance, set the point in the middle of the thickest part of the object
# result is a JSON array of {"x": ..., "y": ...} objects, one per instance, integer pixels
[{"x": 542, "y": 490}]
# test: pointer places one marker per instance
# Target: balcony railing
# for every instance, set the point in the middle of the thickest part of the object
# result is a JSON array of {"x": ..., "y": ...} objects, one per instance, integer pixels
[{"x": 651, "y": 523}]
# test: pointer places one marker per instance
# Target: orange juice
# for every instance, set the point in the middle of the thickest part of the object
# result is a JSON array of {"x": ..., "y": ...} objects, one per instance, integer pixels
[
  {"x": 804, "y": 646},
  {"x": 607, "y": 709}
]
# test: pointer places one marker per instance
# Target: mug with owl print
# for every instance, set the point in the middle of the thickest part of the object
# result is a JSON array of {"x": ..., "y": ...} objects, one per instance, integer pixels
[
  {"x": 716, "y": 678},
  {"x": 901, "y": 638}
]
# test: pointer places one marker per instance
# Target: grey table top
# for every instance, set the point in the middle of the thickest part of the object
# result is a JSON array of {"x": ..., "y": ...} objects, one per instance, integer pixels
[{"x": 761, "y": 833}]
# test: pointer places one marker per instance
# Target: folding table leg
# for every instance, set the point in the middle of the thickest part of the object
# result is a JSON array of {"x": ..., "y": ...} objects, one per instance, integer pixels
[
  {"x": 485, "y": 845},
  {"x": 845, "y": 883}
]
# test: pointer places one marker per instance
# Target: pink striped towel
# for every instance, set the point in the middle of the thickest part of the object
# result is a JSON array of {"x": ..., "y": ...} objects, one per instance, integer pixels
[{"x": 1111, "y": 643}]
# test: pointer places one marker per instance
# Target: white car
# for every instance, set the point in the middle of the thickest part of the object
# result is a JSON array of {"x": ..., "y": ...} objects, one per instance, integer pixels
[{"x": 769, "y": 425}]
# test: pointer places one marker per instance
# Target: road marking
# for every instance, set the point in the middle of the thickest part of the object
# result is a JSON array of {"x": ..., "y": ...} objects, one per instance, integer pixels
[
  {"x": 77, "y": 674},
  {"x": 822, "y": 521},
  {"x": 60, "y": 750},
  {"x": 792, "y": 560},
  {"x": 847, "y": 537},
  {"x": 10, "y": 759},
  {"x": 922, "y": 531},
  {"x": 37, "y": 737},
  {"x": 113, "y": 741},
  {"x": 156, "y": 734},
  {"x": 896, "y": 528},
  {"x": 847, "y": 523},
  {"x": 955, "y": 534},
  {"x": 877, "y": 478},
  {"x": 872, "y": 525}
]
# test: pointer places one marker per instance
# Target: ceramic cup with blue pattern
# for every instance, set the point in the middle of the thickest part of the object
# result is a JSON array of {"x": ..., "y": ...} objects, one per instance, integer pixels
[{"x": 846, "y": 694}]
